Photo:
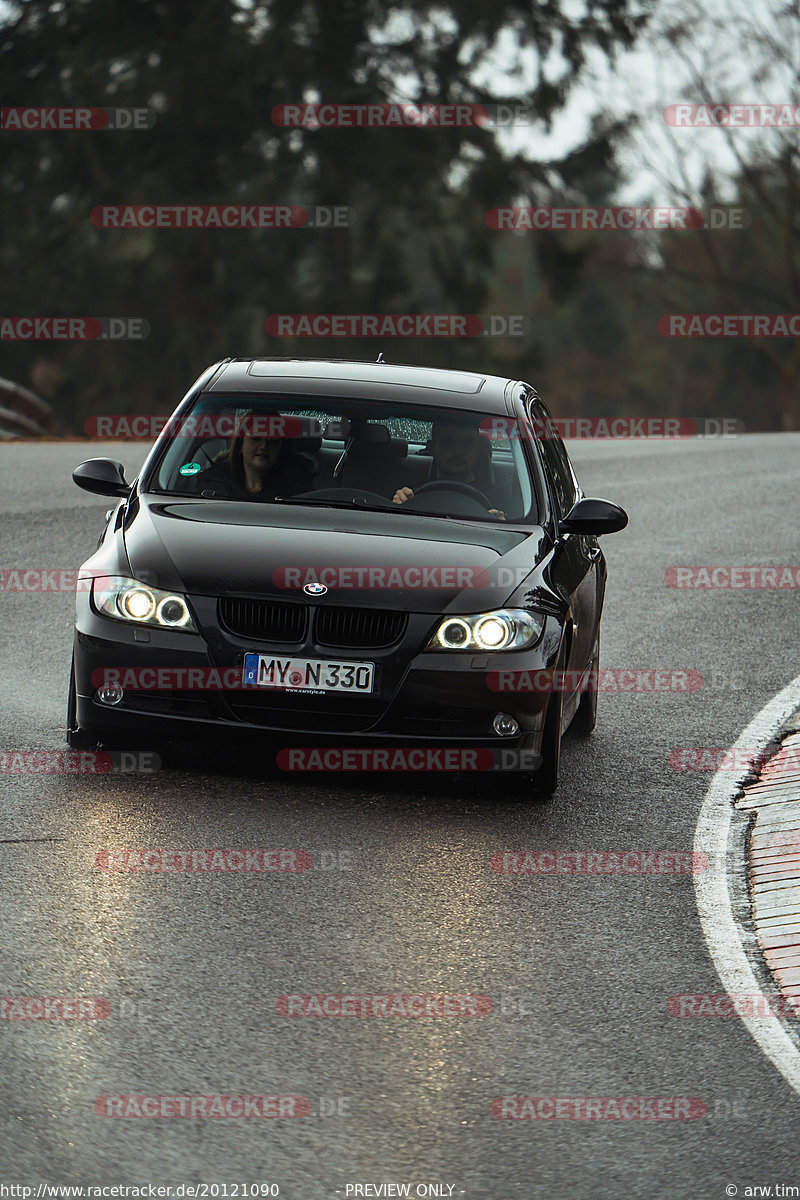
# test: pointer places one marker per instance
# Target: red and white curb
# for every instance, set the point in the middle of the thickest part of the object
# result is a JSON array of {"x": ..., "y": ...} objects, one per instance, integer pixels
[
  {"x": 713, "y": 892},
  {"x": 774, "y": 865}
]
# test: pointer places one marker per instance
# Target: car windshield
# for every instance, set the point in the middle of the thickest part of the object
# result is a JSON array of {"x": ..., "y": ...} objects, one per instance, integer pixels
[{"x": 390, "y": 457}]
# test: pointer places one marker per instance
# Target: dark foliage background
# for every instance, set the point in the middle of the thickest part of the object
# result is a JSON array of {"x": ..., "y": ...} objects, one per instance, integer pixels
[{"x": 212, "y": 70}]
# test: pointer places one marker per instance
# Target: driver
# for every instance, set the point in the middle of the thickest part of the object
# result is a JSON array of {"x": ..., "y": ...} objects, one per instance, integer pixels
[{"x": 460, "y": 453}]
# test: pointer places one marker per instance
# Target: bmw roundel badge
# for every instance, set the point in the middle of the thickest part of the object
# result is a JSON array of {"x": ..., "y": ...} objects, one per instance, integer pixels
[{"x": 315, "y": 589}]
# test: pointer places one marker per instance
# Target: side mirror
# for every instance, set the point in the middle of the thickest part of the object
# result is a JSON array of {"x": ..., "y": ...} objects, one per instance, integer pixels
[
  {"x": 594, "y": 516},
  {"x": 101, "y": 476}
]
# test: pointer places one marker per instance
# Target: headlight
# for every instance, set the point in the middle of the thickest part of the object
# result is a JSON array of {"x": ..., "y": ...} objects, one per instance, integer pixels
[
  {"x": 505, "y": 629},
  {"x": 129, "y": 600}
]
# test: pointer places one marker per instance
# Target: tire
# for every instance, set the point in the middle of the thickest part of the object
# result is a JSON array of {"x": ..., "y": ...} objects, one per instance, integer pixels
[
  {"x": 545, "y": 780},
  {"x": 77, "y": 739},
  {"x": 585, "y": 717}
]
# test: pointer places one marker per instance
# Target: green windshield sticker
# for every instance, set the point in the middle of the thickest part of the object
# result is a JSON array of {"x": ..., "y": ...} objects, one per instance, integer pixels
[{"x": 190, "y": 469}]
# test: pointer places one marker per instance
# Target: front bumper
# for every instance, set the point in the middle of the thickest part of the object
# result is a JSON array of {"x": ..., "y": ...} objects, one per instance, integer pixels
[{"x": 422, "y": 700}]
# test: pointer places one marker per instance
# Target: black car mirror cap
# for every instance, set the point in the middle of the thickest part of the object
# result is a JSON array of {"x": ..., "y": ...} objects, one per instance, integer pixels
[
  {"x": 594, "y": 517},
  {"x": 102, "y": 476}
]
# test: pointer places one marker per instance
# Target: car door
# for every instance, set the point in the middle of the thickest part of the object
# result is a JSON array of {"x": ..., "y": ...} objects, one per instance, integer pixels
[{"x": 578, "y": 570}]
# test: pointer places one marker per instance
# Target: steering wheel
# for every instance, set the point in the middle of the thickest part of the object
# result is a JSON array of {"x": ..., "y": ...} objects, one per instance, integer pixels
[{"x": 453, "y": 485}]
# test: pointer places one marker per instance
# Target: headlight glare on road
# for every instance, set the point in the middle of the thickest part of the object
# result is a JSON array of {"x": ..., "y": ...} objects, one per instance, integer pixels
[
  {"x": 504, "y": 629},
  {"x": 129, "y": 600}
]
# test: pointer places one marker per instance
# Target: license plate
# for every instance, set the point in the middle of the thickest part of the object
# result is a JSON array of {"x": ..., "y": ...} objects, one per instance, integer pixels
[{"x": 307, "y": 674}]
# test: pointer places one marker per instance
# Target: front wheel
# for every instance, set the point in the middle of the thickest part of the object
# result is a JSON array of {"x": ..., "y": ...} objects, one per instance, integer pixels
[
  {"x": 77, "y": 739},
  {"x": 545, "y": 780},
  {"x": 585, "y": 717}
]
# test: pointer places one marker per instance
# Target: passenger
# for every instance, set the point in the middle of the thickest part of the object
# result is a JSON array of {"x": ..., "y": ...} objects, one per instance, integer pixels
[
  {"x": 461, "y": 453},
  {"x": 259, "y": 468}
]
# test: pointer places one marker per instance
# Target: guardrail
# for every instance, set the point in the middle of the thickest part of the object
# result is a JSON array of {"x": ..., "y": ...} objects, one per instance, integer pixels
[{"x": 24, "y": 414}]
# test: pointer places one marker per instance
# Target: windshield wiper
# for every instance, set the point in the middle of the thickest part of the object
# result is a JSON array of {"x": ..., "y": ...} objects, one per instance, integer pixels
[{"x": 353, "y": 502}]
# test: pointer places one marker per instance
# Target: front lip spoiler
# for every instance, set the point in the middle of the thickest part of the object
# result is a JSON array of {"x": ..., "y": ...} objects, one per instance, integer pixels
[
  {"x": 91, "y": 718},
  {"x": 130, "y": 725}
]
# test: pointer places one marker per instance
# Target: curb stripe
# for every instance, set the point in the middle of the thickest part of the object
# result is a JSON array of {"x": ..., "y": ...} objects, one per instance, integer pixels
[{"x": 712, "y": 893}]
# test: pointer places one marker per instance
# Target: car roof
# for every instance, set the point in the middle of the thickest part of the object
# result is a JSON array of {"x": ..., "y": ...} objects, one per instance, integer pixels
[{"x": 363, "y": 381}]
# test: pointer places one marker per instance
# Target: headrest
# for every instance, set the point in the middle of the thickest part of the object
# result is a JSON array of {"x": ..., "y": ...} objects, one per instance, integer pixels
[{"x": 377, "y": 451}]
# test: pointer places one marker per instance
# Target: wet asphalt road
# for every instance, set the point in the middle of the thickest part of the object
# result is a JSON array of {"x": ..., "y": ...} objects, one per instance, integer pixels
[{"x": 579, "y": 968}]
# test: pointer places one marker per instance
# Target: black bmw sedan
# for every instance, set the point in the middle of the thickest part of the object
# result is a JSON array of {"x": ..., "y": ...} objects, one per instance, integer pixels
[{"x": 357, "y": 565}]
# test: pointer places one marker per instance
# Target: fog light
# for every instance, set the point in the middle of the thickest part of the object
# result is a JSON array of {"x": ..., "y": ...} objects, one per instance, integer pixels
[
  {"x": 504, "y": 725},
  {"x": 111, "y": 694}
]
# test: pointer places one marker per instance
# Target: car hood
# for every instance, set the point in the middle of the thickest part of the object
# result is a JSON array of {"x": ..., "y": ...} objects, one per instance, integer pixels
[{"x": 207, "y": 547}]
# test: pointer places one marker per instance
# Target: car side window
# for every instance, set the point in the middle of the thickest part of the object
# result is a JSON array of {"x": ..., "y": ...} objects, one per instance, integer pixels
[{"x": 555, "y": 456}]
